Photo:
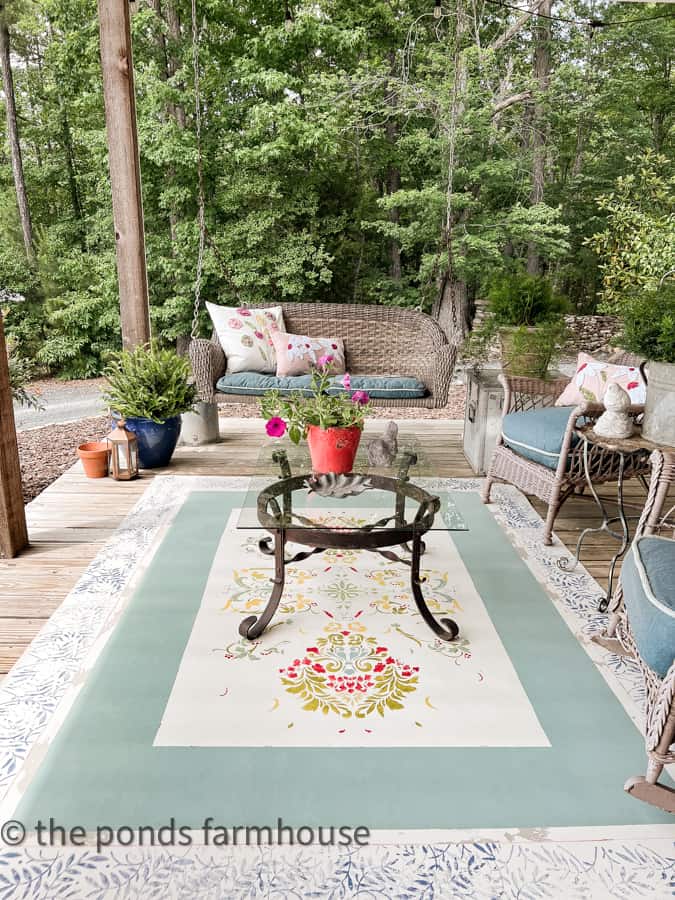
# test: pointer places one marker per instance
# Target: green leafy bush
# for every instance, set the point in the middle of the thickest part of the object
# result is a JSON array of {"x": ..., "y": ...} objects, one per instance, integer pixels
[
  {"x": 20, "y": 372},
  {"x": 528, "y": 316},
  {"x": 520, "y": 299},
  {"x": 149, "y": 383},
  {"x": 649, "y": 324}
]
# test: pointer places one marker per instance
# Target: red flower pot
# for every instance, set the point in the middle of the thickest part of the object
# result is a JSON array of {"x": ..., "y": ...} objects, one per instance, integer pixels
[{"x": 333, "y": 449}]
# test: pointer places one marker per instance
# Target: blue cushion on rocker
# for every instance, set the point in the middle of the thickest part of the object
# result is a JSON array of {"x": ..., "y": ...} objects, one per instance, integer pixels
[
  {"x": 538, "y": 433},
  {"x": 378, "y": 386},
  {"x": 648, "y": 581}
]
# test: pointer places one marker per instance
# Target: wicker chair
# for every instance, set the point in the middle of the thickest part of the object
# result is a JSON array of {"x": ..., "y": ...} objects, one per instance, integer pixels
[
  {"x": 379, "y": 340},
  {"x": 659, "y": 724},
  {"x": 553, "y": 485}
]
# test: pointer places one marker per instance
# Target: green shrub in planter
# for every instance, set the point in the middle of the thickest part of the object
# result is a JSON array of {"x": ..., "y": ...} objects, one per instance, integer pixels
[
  {"x": 149, "y": 388},
  {"x": 528, "y": 317},
  {"x": 149, "y": 383}
]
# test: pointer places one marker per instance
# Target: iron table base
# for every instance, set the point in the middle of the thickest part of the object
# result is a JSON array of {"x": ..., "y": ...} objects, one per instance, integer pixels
[{"x": 253, "y": 626}]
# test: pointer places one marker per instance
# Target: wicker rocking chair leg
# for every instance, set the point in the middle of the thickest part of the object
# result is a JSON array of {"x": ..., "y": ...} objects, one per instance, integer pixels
[
  {"x": 647, "y": 788},
  {"x": 487, "y": 488},
  {"x": 553, "y": 510}
]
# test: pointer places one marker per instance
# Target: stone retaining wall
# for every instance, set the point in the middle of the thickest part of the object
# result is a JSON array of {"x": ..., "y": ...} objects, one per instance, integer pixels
[
  {"x": 591, "y": 333},
  {"x": 587, "y": 333}
]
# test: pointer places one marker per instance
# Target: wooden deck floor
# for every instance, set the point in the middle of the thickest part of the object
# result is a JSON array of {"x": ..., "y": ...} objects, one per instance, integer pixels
[{"x": 70, "y": 521}]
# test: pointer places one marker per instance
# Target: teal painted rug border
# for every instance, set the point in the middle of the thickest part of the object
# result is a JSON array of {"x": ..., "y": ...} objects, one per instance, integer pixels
[{"x": 101, "y": 766}]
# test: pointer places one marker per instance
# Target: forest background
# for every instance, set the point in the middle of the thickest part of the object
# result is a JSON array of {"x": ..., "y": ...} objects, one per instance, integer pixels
[{"x": 399, "y": 153}]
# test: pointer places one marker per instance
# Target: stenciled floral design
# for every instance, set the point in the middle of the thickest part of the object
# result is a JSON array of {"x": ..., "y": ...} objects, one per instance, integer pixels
[
  {"x": 349, "y": 674},
  {"x": 250, "y": 591}
]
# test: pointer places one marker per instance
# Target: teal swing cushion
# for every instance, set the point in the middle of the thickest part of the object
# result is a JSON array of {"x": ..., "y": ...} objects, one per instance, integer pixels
[
  {"x": 379, "y": 387},
  {"x": 538, "y": 434},
  {"x": 648, "y": 581}
]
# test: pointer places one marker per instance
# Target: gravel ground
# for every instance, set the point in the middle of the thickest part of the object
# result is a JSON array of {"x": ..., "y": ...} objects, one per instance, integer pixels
[{"x": 47, "y": 452}]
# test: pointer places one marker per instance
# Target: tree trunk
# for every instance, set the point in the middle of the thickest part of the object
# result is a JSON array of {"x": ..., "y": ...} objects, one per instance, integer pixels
[
  {"x": 13, "y": 136},
  {"x": 393, "y": 185},
  {"x": 393, "y": 178},
  {"x": 542, "y": 70},
  {"x": 168, "y": 66},
  {"x": 451, "y": 308}
]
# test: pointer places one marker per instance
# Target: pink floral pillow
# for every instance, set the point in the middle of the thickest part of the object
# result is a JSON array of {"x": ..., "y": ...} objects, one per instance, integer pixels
[
  {"x": 298, "y": 354},
  {"x": 593, "y": 377},
  {"x": 246, "y": 336}
]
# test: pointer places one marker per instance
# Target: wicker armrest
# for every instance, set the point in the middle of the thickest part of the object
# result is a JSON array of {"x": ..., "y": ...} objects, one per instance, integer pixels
[
  {"x": 444, "y": 365},
  {"x": 522, "y": 392},
  {"x": 434, "y": 369},
  {"x": 208, "y": 364}
]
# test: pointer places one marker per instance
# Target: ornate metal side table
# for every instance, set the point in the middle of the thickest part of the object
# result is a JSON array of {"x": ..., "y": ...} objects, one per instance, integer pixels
[
  {"x": 345, "y": 512},
  {"x": 633, "y": 455}
]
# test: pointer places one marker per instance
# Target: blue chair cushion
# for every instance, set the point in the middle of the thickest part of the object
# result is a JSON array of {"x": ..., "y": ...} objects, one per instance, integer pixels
[
  {"x": 648, "y": 581},
  {"x": 538, "y": 433},
  {"x": 379, "y": 387}
]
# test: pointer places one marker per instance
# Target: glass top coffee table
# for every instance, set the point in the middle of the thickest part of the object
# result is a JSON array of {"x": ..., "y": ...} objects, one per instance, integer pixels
[{"x": 374, "y": 508}]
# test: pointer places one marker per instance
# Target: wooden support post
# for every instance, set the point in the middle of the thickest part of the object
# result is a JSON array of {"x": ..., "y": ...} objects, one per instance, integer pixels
[
  {"x": 125, "y": 171},
  {"x": 13, "y": 532}
]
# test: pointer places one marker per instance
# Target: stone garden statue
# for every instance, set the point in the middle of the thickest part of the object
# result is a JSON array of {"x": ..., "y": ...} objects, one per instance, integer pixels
[{"x": 615, "y": 422}]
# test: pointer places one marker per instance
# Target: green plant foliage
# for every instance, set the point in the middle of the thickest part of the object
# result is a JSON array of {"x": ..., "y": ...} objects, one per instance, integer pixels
[
  {"x": 637, "y": 246},
  {"x": 649, "y": 324},
  {"x": 520, "y": 299},
  {"x": 345, "y": 409},
  {"x": 149, "y": 383},
  {"x": 327, "y": 159},
  {"x": 21, "y": 371}
]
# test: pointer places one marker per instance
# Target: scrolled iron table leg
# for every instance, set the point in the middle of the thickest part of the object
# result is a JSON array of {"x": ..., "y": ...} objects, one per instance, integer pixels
[
  {"x": 253, "y": 626},
  {"x": 445, "y": 629}
]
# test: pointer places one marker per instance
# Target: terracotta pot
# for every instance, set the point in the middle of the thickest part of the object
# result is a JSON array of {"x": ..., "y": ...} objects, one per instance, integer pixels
[
  {"x": 95, "y": 456},
  {"x": 333, "y": 449}
]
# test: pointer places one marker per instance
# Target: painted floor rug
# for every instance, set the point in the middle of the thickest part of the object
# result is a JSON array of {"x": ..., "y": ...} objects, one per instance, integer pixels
[{"x": 488, "y": 767}]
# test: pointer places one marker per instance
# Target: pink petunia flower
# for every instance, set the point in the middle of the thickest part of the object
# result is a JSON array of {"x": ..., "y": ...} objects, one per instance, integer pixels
[
  {"x": 360, "y": 397},
  {"x": 324, "y": 361},
  {"x": 275, "y": 427},
  {"x": 347, "y": 381}
]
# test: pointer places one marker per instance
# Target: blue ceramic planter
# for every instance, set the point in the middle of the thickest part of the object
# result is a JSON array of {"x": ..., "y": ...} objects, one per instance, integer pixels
[{"x": 156, "y": 441}]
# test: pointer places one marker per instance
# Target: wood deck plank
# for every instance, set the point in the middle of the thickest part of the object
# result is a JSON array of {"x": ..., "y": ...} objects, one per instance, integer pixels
[{"x": 73, "y": 518}]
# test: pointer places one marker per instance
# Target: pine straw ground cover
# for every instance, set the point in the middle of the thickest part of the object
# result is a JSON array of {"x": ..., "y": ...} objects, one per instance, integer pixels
[{"x": 48, "y": 451}]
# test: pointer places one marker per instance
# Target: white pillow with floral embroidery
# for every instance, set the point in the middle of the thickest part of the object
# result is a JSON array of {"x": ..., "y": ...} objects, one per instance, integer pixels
[
  {"x": 246, "y": 336},
  {"x": 593, "y": 377},
  {"x": 298, "y": 354}
]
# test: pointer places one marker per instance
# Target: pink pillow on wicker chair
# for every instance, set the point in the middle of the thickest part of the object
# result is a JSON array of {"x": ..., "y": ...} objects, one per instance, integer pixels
[
  {"x": 298, "y": 354},
  {"x": 593, "y": 377}
]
